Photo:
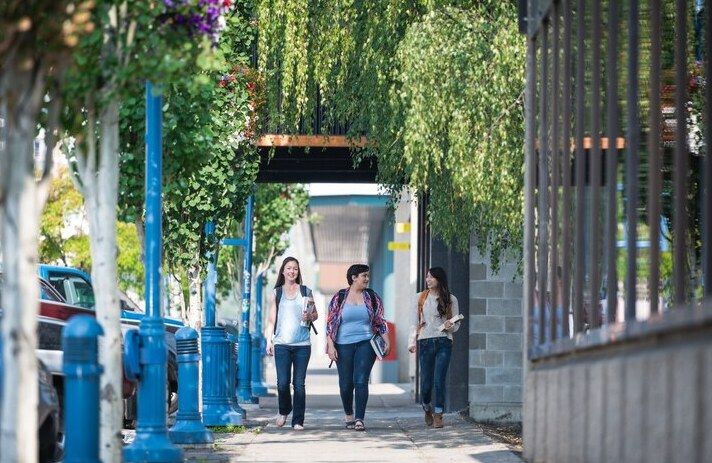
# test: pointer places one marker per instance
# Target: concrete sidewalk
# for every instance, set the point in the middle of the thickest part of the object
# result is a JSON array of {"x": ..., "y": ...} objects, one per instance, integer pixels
[{"x": 395, "y": 432}]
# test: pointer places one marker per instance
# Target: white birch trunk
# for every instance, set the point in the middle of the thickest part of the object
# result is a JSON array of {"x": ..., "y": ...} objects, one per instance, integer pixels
[
  {"x": 195, "y": 308},
  {"x": 20, "y": 292},
  {"x": 101, "y": 195}
]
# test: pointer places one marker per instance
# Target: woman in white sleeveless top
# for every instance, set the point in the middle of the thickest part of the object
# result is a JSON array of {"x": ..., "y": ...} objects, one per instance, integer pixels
[{"x": 288, "y": 340}]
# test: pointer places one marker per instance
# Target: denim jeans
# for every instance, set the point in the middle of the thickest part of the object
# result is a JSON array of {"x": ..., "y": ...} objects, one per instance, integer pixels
[
  {"x": 287, "y": 358},
  {"x": 354, "y": 365},
  {"x": 434, "y": 356}
]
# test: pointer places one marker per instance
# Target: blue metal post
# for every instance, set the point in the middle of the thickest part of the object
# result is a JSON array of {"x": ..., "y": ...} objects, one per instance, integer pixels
[
  {"x": 151, "y": 443},
  {"x": 218, "y": 387},
  {"x": 189, "y": 428},
  {"x": 81, "y": 389},
  {"x": 244, "y": 386},
  {"x": 259, "y": 388}
]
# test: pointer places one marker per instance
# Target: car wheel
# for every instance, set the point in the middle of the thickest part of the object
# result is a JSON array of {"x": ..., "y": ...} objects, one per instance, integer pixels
[{"x": 50, "y": 448}]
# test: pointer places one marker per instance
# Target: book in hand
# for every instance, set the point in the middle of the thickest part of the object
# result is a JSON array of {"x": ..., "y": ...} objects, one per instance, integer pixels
[
  {"x": 379, "y": 345},
  {"x": 453, "y": 320}
]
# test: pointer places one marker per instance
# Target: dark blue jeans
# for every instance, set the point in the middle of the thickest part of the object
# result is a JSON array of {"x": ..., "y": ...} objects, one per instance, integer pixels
[
  {"x": 354, "y": 364},
  {"x": 287, "y": 358},
  {"x": 434, "y": 355}
]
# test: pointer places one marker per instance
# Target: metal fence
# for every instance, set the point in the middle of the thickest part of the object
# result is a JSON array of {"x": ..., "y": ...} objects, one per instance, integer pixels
[{"x": 618, "y": 213}]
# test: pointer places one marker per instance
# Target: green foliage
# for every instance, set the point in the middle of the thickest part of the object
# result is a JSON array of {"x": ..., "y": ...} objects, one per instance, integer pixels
[
  {"x": 209, "y": 163},
  {"x": 277, "y": 208},
  {"x": 63, "y": 202},
  {"x": 129, "y": 260},
  {"x": 437, "y": 87},
  {"x": 64, "y": 242}
]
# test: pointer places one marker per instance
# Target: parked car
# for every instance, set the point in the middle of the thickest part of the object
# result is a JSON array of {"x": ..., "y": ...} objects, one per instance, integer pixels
[
  {"x": 50, "y": 426},
  {"x": 75, "y": 286}
]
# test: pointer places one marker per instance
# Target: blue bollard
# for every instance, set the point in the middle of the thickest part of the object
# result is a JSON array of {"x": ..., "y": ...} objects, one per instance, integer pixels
[
  {"x": 233, "y": 369},
  {"x": 218, "y": 388},
  {"x": 151, "y": 443},
  {"x": 81, "y": 389},
  {"x": 259, "y": 388},
  {"x": 189, "y": 428},
  {"x": 244, "y": 381}
]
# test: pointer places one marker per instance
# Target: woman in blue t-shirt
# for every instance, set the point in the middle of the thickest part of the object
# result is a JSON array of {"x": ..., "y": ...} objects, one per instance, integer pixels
[
  {"x": 288, "y": 340},
  {"x": 355, "y": 314}
]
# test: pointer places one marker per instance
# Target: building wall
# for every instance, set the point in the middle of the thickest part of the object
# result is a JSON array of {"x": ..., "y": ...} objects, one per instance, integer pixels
[
  {"x": 382, "y": 281},
  {"x": 643, "y": 401},
  {"x": 404, "y": 293},
  {"x": 495, "y": 339}
]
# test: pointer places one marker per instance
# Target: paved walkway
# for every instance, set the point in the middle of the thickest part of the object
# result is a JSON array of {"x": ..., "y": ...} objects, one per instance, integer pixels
[{"x": 395, "y": 432}]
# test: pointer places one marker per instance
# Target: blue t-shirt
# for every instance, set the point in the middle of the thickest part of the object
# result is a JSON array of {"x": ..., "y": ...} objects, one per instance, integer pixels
[{"x": 355, "y": 324}]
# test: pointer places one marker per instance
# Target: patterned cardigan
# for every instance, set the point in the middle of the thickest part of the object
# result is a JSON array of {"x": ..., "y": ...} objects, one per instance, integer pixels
[{"x": 336, "y": 307}]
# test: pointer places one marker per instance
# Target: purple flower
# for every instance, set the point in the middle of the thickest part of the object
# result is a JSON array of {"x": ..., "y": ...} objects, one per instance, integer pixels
[{"x": 169, "y": 3}]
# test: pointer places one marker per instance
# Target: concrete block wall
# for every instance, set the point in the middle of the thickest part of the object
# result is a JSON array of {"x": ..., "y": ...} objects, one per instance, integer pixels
[
  {"x": 644, "y": 401},
  {"x": 495, "y": 360}
]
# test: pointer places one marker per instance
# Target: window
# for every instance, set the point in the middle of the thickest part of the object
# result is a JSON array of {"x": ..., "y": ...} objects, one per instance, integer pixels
[{"x": 83, "y": 291}]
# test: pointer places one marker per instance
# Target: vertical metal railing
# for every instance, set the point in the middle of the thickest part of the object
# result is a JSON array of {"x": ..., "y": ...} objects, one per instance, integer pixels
[
  {"x": 566, "y": 171},
  {"x": 631, "y": 164},
  {"x": 580, "y": 165},
  {"x": 707, "y": 166},
  {"x": 612, "y": 161},
  {"x": 654, "y": 156},
  {"x": 595, "y": 164},
  {"x": 543, "y": 212},
  {"x": 680, "y": 156},
  {"x": 578, "y": 177},
  {"x": 555, "y": 161}
]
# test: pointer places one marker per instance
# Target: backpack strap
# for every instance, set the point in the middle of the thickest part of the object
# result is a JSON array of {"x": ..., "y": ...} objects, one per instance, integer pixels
[
  {"x": 277, "y": 297},
  {"x": 421, "y": 303},
  {"x": 372, "y": 295}
]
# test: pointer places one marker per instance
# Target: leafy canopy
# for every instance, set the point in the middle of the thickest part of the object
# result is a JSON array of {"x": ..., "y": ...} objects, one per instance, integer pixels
[{"x": 435, "y": 85}]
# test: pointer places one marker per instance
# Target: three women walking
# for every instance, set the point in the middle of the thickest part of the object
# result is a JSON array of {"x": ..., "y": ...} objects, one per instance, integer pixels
[{"x": 355, "y": 315}]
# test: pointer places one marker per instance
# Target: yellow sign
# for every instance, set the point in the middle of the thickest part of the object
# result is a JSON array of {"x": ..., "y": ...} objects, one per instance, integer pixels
[
  {"x": 402, "y": 227},
  {"x": 398, "y": 246}
]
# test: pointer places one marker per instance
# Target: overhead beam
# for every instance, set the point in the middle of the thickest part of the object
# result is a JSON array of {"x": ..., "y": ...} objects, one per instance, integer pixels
[{"x": 313, "y": 141}]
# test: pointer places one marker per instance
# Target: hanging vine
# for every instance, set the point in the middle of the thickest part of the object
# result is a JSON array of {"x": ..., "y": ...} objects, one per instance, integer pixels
[{"x": 435, "y": 85}]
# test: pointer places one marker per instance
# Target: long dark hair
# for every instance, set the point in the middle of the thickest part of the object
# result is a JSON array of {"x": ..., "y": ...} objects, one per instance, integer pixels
[
  {"x": 280, "y": 277},
  {"x": 444, "y": 299}
]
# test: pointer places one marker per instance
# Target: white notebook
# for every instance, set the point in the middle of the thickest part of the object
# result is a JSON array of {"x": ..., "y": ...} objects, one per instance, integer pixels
[{"x": 454, "y": 319}]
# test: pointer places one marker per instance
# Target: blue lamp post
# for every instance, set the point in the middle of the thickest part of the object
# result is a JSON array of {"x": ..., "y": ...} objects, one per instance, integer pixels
[
  {"x": 244, "y": 381},
  {"x": 259, "y": 388},
  {"x": 218, "y": 408},
  {"x": 151, "y": 443}
]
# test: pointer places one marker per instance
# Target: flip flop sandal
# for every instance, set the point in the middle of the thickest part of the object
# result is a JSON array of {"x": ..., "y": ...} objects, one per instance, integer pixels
[
  {"x": 358, "y": 425},
  {"x": 280, "y": 420},
  {"x": 350, "y": 424}
]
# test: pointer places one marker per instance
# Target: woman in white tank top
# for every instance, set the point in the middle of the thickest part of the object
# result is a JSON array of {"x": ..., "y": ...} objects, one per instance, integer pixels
[{"x": 288, "y": 340}]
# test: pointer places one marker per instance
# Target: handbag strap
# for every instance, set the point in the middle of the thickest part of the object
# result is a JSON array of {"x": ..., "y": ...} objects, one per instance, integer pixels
[{"x": 421, "y": 303}]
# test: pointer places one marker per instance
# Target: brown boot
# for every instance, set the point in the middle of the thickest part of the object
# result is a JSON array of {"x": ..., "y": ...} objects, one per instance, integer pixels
[
  {"x": 437, "y": 420},
  {"x": 429, "y": 417}
]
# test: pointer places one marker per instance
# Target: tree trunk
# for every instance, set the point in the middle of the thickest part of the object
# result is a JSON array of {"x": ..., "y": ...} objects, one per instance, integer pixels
[
  {"x": 175, "y": 289},
  {"x": 20, "y": 292},
  {"x": 195, "y": 309},
  {"x": 101, "y": 195}
]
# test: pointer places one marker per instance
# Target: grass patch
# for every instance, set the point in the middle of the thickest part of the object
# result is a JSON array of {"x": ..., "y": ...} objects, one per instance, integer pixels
[{"x": 229, "y": 429}]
